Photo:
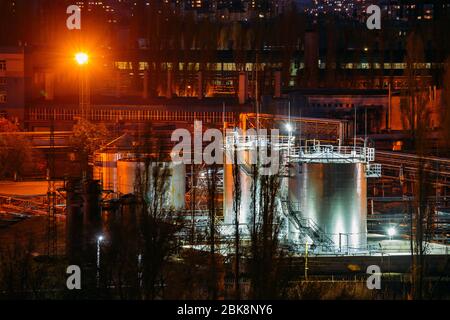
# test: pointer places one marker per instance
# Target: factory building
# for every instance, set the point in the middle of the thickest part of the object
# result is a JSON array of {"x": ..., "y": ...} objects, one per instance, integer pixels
[
  {"x": 12, "y": 83},
  {"x": 321, "y": 198}
]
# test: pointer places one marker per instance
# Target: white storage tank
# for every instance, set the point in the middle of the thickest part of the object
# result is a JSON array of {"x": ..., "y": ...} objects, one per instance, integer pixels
[
  {"x": 246, "y": 191},
  {"x": 334, "y": 197}
]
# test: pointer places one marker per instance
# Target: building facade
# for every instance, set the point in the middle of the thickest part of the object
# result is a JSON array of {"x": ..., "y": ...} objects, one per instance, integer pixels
[{"x": 12, "y": 83}]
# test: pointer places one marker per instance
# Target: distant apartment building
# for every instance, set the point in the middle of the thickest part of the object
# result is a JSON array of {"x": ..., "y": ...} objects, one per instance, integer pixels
[
  {"x": 237, "y": 10},
  {"x": 412, "y": 11},
  {"x": 12, "y": 83},
  {"x": 393, "y": 10}
]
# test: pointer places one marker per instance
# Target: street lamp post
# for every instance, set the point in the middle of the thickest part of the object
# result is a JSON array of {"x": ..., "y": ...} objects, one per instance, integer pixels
[
  {"x": 99, "y": 241},
  {"x": 289, "y": 128},
  {"x": 82, "y": 59},
  {"x": 306, "y": 260}
]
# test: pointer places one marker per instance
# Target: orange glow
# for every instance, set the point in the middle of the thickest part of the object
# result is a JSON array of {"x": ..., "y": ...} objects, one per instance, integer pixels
[{"x": 82, "y": 58}]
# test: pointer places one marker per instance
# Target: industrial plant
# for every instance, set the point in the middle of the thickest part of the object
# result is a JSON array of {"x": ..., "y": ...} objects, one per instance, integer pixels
[{"x": 224, "y": 150}]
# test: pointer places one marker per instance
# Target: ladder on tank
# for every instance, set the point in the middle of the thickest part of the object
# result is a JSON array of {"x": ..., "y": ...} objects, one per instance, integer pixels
[{"x": 307, "y": 226}]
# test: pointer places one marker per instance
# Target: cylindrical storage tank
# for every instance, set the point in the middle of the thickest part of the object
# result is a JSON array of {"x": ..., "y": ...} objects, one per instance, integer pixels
[
  {"x": 177, "y": 185},
  {"x": 246, "y": 202},
  {"x": 246, "y": 185},
  {"x": 228, "y": 198},
  {"x": 293, "y": 196},
  {"x": 334, "y": 196},
  {"x": 128, "y": 171},
  {"x": 105, "y": 170}
]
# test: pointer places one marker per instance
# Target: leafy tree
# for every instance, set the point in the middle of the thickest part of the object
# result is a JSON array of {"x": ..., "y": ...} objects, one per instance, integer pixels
[
  {"x": 86, "y": 139},
  {"x": 16, "y": 152},
  {"x": 445, "y": 124}
]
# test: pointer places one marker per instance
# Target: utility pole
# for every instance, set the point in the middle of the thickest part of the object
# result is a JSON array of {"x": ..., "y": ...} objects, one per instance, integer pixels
[
  {"x": 340, "y": 242},
  {"x": 354, "y": 129},
  {"x": 51, "y": 195},
  {"x": 306, "y": 260},
  {"x": 257, "y": 93},
  {"x": 193, "y": 203},
  {"x": 389, "y": 108}
]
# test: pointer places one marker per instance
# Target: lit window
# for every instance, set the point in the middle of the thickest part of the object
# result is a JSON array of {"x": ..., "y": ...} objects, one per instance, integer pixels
[
  {"x": 143, "y": 65},
  {"x": 2, "y": 97},
  {"x": 123, "y": 65}
]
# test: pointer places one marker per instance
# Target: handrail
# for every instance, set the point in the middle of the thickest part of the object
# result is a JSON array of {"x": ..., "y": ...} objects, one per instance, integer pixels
[
  {"x": 259, "y": 139},
  {"x": 331, "y": 152},
  {"x": 127, "y": 113},
  {"x": 307, "y": 225}
]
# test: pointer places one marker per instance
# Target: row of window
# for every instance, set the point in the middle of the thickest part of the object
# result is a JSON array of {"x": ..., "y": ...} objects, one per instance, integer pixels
[
  {"x": 193, "y": 66},
  {"x": 330, "y": 105},
  {"x": 230, "y": 66},
  {"x": 3, "y": 82},
  {"x": 2, "y": 97}
]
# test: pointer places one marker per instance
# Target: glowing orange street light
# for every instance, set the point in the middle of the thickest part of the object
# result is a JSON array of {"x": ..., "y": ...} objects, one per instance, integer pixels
[{"x": 81, "y": 58}]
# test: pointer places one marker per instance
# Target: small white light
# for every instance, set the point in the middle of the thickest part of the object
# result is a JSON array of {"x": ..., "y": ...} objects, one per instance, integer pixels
[
  {"x": 100, "y": 238},
  {"x": 289, "y": 127},
  {"x": 391, "y": 231}
]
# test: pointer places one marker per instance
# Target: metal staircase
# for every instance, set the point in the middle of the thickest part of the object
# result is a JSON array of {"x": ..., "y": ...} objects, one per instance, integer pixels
[{"x": 306, "y": 226}]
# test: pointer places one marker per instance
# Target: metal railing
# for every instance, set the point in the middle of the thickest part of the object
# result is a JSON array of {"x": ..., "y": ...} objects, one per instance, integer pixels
[
  {"x": 307, "y": 226},
  {"x": 308, "y": 128},
  {"x": 127, "y": 113},
  {"x": 373, "y": 170},
  {"x": 28, "y": 206},
  {"x": 328, "y": 153},
  {"x": 252, "y": 141},
  {"x": 395, "y": 163}
]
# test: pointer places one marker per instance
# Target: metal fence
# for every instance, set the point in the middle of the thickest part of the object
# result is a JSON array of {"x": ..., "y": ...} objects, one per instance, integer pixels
[{"x": 127, "y": 114}]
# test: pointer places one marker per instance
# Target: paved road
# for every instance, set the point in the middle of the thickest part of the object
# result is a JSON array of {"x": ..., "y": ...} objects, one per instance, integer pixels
[{"x": 27, "y": 188}]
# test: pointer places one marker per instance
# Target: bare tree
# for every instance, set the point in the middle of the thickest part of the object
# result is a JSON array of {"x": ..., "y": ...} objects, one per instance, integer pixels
[
  {"x": 213, "y": 235},
  {"x": 236, "y": 209},
  {"x": 158, "y": 223},
  {"x": 265, "y": 253},
  {"x": 417, "y": 116},
  {"x": 24, "y": 276}
]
